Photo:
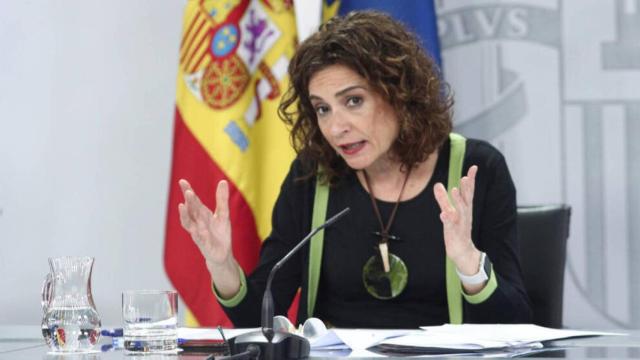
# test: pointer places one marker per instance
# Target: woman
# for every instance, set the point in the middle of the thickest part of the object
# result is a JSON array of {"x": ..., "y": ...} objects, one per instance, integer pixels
[{"x": 370, "y": 121}]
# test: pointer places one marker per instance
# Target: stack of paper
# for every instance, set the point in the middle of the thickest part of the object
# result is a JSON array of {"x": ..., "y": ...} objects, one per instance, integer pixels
[
  {"x": 487, "y": 340},
  {"x": 476, "y": 338}
]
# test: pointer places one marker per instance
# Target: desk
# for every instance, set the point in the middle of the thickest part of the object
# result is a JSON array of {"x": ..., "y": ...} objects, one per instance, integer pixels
[{"x": 26, "y": 342}]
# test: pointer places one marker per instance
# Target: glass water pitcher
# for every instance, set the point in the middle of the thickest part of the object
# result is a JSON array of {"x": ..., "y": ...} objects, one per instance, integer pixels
[{"x": 71, "y": 322}]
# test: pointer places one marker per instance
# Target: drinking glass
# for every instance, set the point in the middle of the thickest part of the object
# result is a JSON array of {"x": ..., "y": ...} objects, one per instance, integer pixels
[{"x": 150, "y": 320}]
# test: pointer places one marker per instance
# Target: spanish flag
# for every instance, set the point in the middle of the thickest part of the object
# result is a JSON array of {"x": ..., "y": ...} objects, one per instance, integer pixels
[{"x": 232, "y": 72}]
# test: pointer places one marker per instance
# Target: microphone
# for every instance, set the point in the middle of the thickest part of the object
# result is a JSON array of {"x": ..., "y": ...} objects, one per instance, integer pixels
[{"x": 288, "y": 346}]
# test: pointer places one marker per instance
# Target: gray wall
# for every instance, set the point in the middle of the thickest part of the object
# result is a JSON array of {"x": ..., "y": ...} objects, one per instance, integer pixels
[{"x": 86, "y": 112}]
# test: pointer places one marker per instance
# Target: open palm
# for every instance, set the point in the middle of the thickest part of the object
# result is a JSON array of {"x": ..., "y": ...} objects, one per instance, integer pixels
[
  {"x": 457, "y": 217},
  {"x": 210, "y": 231}
]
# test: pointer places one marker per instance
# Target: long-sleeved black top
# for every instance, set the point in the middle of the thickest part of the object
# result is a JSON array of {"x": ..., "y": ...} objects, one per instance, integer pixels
[{"x": 342, "y": 298}]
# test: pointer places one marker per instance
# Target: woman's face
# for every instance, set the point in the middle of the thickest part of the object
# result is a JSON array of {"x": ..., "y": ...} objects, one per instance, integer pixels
[{"x": 356, "y": 121}]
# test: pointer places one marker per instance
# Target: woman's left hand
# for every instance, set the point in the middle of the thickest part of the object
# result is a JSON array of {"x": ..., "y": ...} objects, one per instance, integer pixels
[{"x": 457, "y": 219}]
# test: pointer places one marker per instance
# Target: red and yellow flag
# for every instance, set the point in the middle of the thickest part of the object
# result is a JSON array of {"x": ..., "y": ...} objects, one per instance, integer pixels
[{"x": 233, "y": 60}]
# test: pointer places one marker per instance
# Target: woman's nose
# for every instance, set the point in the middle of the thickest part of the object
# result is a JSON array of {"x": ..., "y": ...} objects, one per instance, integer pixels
[{"x": 339, "y": 124}]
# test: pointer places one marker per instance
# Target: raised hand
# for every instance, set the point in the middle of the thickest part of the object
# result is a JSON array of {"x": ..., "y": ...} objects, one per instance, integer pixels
[
  {"x": 457, "y": 219},
  {"x": 211, "y": 232}
]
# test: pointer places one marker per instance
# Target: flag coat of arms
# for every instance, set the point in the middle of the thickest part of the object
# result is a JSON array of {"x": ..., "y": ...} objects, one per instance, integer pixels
[{"x": 232, "y": 72}]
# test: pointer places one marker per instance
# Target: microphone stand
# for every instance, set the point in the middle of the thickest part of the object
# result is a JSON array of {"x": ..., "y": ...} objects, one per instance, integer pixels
[
  {"x": 278, "y": 345},
  {"x": 252, "y": 352}
]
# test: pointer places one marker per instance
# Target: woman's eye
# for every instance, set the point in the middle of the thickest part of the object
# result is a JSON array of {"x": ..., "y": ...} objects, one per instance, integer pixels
[
  {"x": 354, "y": 100},
  {"x": 321, "y": 109}
]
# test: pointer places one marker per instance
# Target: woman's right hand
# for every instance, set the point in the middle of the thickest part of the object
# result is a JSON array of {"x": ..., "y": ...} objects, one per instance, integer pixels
[{"x": 211, "y": 232}]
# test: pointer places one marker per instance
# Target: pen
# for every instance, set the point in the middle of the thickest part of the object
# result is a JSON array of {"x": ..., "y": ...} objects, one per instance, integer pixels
[
  {"x": 116, "y": 332},
  {"x": 107, "y": 347}
]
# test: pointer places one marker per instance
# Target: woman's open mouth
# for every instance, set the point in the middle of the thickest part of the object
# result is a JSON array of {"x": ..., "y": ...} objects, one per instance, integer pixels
[{"x": 352, "y": 148}]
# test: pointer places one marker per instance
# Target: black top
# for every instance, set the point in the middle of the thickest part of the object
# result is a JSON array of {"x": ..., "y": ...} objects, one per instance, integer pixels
[{"x": 342, "y": 299}]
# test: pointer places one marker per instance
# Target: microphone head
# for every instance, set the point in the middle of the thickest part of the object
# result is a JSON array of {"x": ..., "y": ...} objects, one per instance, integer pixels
[{"x": 267, "y": 313}]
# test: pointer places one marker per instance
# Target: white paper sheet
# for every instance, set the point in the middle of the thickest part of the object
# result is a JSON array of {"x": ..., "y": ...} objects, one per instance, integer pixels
[
  {"x": 509, "y": 334},
  {"x": 360, "y": 339},
  {"x": 482, "y": 338}
]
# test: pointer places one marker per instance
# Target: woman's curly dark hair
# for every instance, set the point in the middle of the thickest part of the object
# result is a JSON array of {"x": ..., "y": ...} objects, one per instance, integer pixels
[{"x": 392, "y": 60}]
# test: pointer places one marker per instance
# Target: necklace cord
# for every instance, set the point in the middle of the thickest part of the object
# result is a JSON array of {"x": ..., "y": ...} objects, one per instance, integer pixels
[{"x": 385, "y": 229}]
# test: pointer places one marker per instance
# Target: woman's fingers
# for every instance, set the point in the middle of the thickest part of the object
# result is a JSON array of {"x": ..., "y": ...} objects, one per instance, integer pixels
[
  {"x": 442, "y": 198},
  {"x": 185, "y": 219},
  {"x": 467, "y": 184},
  {"x": 472, "y": 181},
  {"x": 184, "y": 185},
  {"x": 183, "y": 209},
  {"x": 187, "y": 209},
  {"x": 464, "y": 190},
  {"x": 456, "y": 198},
  {"x": 192, "y": 204},
  {"x": 222, "y": 200},
  {"x": 448, "y": 214},
  {"x": 202, "y": 231},
  {"x": 210, "y": 232},
  {"x": 457, "y": 212},
  {"x": 193, "y": 213}
]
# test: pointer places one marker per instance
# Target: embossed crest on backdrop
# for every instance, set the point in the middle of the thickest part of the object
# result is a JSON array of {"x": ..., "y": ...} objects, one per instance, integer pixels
[{"x": 553, "y": 84}]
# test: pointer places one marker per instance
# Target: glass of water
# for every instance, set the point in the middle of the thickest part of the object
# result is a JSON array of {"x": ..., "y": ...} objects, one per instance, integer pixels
[{"x": 150, "y": 321}]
